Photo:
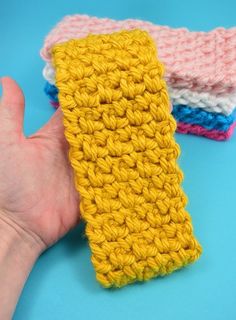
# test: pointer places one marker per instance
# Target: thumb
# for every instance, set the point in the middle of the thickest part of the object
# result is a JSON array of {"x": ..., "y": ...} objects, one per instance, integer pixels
[{"x": 12, "y": 106}]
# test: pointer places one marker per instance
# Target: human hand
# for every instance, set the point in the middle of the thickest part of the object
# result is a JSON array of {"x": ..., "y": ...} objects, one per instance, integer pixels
[{"x": 37, "y": 193}]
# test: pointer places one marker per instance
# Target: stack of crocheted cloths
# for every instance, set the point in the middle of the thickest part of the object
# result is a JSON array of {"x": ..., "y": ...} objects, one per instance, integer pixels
[
  {"x": 200, "y": 69},
  {"x": 120, "y": 131}
]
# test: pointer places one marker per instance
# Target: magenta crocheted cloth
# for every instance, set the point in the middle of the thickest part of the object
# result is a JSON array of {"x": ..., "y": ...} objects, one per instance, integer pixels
[{"x": 200, "y": 131}]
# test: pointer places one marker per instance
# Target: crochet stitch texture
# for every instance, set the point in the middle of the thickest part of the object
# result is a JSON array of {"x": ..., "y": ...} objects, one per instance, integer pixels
[
  {"x": 212, "y": 103},
  {"x": 208, "y": 120},
  {"x": 200, "y": 68},
  {"x": 197, "y": 121},
  {"x": 201, "y": 131},
  {"x": 122, "y": 150},
  {"x": 200, "y": 61},
  {"x": 190, "y": 57}
]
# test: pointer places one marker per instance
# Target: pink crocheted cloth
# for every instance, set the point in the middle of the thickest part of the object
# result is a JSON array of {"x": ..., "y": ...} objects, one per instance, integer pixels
[{"x": 200, "y": 61}]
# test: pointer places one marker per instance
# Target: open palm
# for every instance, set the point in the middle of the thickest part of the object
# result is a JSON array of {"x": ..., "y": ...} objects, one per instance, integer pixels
[{"x": 36, "y": 180}]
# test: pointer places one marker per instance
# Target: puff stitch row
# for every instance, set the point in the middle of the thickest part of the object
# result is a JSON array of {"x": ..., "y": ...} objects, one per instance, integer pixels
[{"x": 222, "y": 104}]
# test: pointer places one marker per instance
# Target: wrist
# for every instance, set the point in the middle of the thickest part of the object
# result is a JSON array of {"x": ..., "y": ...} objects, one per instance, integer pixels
[
  {"x": 19, "y": 249},
  {"x": 15, "y": 240}
]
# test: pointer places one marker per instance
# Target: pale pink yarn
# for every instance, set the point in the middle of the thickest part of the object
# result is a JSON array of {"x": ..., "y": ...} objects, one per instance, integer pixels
[{"x": 200, "y": 61}]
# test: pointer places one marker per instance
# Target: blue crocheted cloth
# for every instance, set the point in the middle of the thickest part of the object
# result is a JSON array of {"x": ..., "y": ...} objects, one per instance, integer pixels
[
  {"x": 182, "y": 113},
  {"x": 51, "y": 91},
  {"x": 208, "y": 120}
]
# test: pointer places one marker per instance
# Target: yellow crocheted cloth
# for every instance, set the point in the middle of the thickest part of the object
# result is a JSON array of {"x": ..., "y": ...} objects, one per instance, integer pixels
[{"x": 120, "y": 131}]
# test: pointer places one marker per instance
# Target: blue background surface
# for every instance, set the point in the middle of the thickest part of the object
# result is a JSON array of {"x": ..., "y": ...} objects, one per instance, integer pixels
[{"x": 62, "y": 285}]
